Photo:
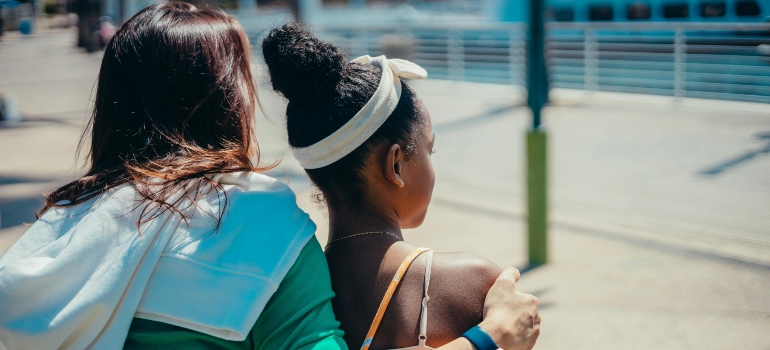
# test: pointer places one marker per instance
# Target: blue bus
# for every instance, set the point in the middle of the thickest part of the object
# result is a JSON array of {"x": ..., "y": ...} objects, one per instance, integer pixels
[{"x": 641, "y": 10}]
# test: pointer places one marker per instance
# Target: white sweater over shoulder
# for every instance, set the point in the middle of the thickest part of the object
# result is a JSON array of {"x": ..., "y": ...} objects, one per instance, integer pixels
[{"x": 80, "y": 274}]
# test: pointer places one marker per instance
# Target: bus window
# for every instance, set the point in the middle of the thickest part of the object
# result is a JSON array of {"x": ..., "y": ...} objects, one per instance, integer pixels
[
  {"x": 563, "y": 14},
  {"x": 637, "y": 11},
  {"x": 712, "y": 9},
  {"x": 272, "y": 3},
  {"x": 600, "y": 13},
  {"x": 334, "y": 2},
  {"x": 746, "y": 8},
  {"x": 675, "y": 10}
]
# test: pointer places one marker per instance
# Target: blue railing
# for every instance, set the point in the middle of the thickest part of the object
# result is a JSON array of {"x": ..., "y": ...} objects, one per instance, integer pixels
[{"x": 729, "y": 61}]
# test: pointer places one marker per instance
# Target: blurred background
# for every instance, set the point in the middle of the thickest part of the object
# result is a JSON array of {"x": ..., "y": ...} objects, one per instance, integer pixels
[{"x": 658, "y": 149}]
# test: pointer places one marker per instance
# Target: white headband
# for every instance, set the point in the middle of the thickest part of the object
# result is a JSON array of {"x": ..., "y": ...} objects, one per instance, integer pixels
[{"x": 363, "y": 125}]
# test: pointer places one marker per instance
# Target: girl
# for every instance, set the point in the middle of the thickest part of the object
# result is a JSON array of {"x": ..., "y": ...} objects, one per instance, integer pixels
[
  {"x": 365, "y": 140},
  {"x": 173, "y": 239}
]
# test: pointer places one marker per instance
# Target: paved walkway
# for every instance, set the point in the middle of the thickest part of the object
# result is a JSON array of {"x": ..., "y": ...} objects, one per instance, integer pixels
[{"x": 660, "y": 228}]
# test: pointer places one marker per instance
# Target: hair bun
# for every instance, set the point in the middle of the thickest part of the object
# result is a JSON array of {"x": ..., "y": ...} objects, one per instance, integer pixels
[{"x": 303, "y": 68}]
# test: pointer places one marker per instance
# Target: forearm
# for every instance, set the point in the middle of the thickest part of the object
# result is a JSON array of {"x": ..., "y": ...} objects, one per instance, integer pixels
[
  {"x": 463, "y": 343},
  {"x": 458, "y": 344}
]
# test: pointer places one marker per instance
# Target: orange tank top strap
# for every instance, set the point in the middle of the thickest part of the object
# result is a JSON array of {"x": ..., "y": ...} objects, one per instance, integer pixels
[{"x": 389, "y": 294}]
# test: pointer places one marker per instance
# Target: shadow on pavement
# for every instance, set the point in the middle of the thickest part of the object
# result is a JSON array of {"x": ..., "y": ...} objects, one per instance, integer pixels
[
  {"x": 529, "y": 268},
  {"x": 12, "y": 180},
  {"x": 743, "y": 158},
  {"x": 654, "y": 244},
  {"x": 20, "y": 209},
  {"x": 487, "y": 116},
  {"x": 17, "y": 211}
]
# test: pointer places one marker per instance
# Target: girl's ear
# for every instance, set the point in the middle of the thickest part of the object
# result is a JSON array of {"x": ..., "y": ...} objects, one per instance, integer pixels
[{"x": 393, "y": 165}]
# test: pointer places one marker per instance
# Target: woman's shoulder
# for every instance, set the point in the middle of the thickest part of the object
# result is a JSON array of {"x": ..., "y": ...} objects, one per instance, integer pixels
[
  {"x": 464, "y": 262},
  {"x": 260, "y": 223},
  {"x": 458, "y": 287},
  {"x": 259, "y": 238},
  {"x": 471, "y": 273},
  {"x": 263, "y": 204},
  {"x": 256, "y": 187}
]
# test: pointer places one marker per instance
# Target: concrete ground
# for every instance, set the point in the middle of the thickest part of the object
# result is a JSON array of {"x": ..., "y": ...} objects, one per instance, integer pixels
[{"x": 660, "y": 209}]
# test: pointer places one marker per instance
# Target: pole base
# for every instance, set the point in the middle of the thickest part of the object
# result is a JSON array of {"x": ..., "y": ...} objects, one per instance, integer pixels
[{"x": 537, "y": 196}]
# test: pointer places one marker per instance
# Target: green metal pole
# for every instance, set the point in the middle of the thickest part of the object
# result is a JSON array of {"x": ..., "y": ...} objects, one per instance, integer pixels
[
  {"x": 537, "y": 140},
  {"x": 537, "y": 198}
]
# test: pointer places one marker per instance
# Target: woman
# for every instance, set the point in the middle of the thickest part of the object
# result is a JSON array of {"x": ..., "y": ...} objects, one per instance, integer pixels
[
  {"x": 172, "y": 238},
  {"x": 365, "y": 140}
]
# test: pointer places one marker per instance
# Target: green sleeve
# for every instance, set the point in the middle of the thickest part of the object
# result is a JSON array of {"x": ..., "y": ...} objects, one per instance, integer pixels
[{"x": 298, "y": 316}]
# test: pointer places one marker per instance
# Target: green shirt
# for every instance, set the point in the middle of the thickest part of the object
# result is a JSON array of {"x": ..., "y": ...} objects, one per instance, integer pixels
[{"x": 298, "y": 316}]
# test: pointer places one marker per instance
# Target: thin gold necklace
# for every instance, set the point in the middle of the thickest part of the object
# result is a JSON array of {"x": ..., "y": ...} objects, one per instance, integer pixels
[{"x": 362, "y": 234}]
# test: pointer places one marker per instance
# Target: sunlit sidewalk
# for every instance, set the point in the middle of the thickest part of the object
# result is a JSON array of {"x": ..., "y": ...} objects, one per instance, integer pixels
[{"x": 660, "y": 229}]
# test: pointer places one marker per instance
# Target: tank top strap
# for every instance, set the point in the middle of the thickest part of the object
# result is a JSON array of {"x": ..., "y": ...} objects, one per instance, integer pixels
[
  {"x": 424, "y": 314},
  {"x": 389, "y": 294}
]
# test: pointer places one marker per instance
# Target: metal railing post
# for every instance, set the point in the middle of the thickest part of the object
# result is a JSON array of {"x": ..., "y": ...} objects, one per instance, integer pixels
[
  {"x": 456, "y": 53},
  {"x": 680, "y": 57},
  {"x": 513, "y": 59},
  {"x": 361, "y": 42},
  {"x": 590, "y": 60}
]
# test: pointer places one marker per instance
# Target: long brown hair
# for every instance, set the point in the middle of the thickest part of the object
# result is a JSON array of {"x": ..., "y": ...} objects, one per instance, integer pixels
[{"x": 175, "y": 101}]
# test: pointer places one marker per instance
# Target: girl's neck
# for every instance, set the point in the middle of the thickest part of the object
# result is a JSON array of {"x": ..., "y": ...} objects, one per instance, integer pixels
[{"x": 344, "y": 222}]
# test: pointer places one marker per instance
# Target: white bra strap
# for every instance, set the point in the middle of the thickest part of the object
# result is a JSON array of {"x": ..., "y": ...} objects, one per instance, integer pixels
[{"x": 424, "y": 314}]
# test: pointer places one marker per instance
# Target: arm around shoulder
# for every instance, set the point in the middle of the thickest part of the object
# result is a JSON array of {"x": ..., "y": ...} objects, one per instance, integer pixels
[{"x": 511, "y": 318}]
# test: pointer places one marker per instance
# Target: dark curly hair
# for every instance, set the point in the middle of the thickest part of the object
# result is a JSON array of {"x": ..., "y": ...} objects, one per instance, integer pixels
[{"x": 324, "y": 92}]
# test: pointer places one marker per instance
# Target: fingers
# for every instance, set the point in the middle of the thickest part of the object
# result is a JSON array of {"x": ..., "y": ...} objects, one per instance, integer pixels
[
  {"x": 516, "y": 273},
  {"x": 533, "y": 338},
  {"x": 534, "y": 316},
  {"x": 512, "y": 273},
  {"x": 512, "y": 314}
]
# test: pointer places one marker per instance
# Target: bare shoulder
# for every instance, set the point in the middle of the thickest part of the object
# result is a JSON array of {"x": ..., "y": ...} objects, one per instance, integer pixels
[
  {"x": 471, "y": 273},
  {"x": 463, "y": 263},
  {"x": 459, "y": 285}
]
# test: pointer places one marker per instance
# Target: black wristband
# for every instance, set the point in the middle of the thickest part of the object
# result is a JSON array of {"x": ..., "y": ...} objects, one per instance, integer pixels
[{"x": 480, "y": 339}]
